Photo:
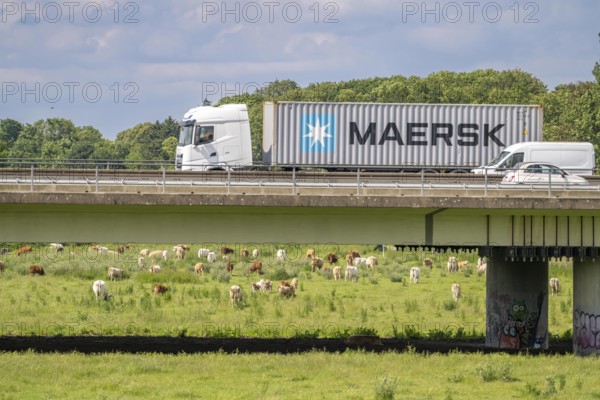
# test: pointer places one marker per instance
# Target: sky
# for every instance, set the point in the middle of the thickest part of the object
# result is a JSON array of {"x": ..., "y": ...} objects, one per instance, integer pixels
[{"x": 113, "y": 64}]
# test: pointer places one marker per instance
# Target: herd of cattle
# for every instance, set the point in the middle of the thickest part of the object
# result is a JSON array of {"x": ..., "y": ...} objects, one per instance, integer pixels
[{"x": 149, "y": 259}]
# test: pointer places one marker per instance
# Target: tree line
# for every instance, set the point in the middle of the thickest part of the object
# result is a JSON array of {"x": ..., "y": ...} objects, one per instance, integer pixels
[{"x": 571, "y": 113}]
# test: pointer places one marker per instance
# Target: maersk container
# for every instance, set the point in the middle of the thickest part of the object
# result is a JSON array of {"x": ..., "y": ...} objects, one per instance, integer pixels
[{"x": 394, "y": 135}]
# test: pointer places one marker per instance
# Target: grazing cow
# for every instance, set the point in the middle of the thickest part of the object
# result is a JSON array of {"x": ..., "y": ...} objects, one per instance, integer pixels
[
  {"x": 332, "y": 258},
  {"x": 452, "y": 264},
  {"x": 351, "y": 273},
  {"x": 310, "y": 253},
  {"x": 255, "y": 253},
  {"x": 226, "y": 250},
  {"x": 554, "y": 286},
  {"x": 428, "y": 263},
  {"x": 121, "y": 249},
  {"x": 199, "y": 269},
  {"x": 337, "y": 272},
  {"x": 2, "y": 267},
  {"x": 316, "y": 263},
  {"x": 286, "y": 291},
  {"x": 481, "y": 266},
  {"x": 156, "y": 254},
  {"x": 141, "y": 262},
  {"x": 36, "y": 269},
  {"x": 244, "y": 253},
  {"x": 235, "y": 294},
  {"x": 25, "y": 249},
  {"x": 255, "y": 287},
  {"x": 159, "y": 289},
  {"x": 456, "y": 292},
  {"x": 229, "y": 267},
  {"x": 57, "y": 246},
  {"x": 100, "y": 290},
  {"x": 372, "y": 262},
  {"x": 462, "y": 265},
  {"x": 359, "y": 260},
  {"x": 144, "y": 252},
  {"x": 281, "y": 256},
  {"x": 179, "y": 252},
  {"x": 4, "y": 250},
  {"x": 114, "y": 273},
  {"x": 211, "y": 257},
  {"x": 203, "y": 252},
  {"x": 415, "y": 273},
  {"x": 256, "y": 267},
  {"x": 154, "y": 269},
  {"x": 294, "y": 283}
]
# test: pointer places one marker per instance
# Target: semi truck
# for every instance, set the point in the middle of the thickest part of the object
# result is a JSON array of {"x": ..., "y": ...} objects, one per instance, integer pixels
[{"x": 355, "y": 135}]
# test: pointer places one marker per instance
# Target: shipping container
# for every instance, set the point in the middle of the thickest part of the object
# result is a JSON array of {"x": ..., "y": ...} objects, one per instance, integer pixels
[{"x": 394, "y": 135}]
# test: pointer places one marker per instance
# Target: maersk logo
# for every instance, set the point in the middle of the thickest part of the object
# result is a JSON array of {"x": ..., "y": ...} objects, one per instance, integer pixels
[{"x": 318, "y": 133}]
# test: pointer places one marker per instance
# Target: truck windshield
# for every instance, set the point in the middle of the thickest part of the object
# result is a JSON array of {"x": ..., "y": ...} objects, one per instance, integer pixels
[{"x": 185, "y": 135}]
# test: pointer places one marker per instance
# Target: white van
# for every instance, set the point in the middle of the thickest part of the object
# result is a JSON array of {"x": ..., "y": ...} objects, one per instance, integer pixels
[{"x": 576, "y": 158}]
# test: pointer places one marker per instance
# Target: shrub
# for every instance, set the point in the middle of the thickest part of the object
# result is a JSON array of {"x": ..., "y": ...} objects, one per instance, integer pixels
[{"x": 385, "y": 388}]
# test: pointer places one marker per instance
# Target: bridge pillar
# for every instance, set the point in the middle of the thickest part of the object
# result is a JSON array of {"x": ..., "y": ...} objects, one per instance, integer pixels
[
  {"x": 586, "y": 307},
  {"x": 516, "y": 304}
]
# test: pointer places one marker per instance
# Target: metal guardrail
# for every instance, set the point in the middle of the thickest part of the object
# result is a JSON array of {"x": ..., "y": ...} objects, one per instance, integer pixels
[{"x": 36, "y": 175}]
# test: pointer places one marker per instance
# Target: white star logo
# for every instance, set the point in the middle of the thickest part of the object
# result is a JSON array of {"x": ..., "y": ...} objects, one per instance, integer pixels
[{"x": 318, "y": 133}]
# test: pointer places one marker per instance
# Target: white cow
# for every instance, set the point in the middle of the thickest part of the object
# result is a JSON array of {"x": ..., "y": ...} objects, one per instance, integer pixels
[
  {"x": 554, "y": 286},
  {"x": 351, "y": 273},
  {"x": 211, "y": 257},
  {"x": 456, "y": 291},
  {"x": 235, "y": 294},
  {"x": 337, "y": 272},
  {"x": 255, "y": 253},
  {"x": 481, "y": 266},
  {"x": 114, "y": 273},
  {"x": 154, "y": 269},
  {"x": 100, "y": 290},
  {"x": 203, "y": 252},
  {"x": 415, "y": 273},
  {"x": 281, "y": 256},
  {"x": 359, "y": 260},
  {"x": 372, "y": 262},
  {"x": 452, "y": 264}
]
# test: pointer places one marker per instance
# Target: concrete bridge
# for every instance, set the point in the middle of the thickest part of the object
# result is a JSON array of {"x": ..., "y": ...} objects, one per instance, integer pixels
[{"x": 518, "y": 230}]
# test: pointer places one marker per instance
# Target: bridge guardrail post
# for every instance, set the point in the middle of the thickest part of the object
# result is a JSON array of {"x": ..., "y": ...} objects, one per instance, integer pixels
[
  {"x": 358, "y": 181},
  {"x": 549, "y": 184},
  {"x": 485, "y": 182},
  {"x": 293, "y": 180},
  {"x": 228, "y": 180},
  {"x": 32, "y": 176},
  {"x": 97, "y": 178},
  {"x": 164, "y": 176},
  {"x": 422, "y": 181}
]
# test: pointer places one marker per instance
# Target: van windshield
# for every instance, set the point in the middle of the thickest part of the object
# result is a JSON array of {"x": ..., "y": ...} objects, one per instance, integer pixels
[{"x": 498, "y": 158}]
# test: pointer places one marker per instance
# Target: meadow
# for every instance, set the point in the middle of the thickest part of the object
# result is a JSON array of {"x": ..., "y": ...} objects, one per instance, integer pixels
[
  {"x": 382, "y": 302},
  {"x": 319, "y": 375}
]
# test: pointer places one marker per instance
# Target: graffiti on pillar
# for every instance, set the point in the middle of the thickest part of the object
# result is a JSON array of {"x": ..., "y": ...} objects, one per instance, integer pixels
[
  {"x": 586, "y": 330},
  {"x": 518, "y": 325}
]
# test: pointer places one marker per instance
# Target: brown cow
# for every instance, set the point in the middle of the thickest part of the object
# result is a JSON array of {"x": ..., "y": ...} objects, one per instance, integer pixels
[
  {"x": 332, "y": 258},
  {"x": 23, "y": 250},
  {"x": 244, "y": 253},
  {"x": 199, "y": 268},
  {"x": 226, "y": 250},
  {"x": 2, "y": 267},
  {"x": 256, "y": 267},
  {"x": 159, "y": 289},
  {"x": 36, "y": 269},
  {"x": 229, "y": 267}
]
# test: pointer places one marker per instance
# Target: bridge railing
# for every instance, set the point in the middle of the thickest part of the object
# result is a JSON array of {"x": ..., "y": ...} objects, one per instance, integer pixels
[{"x": 36, "y": 175}]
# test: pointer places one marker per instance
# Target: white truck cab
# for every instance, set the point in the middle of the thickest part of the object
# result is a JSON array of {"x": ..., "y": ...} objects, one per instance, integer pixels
[
  {"x": 214, "y": 138},
  {"x": 575, "y": 157}
]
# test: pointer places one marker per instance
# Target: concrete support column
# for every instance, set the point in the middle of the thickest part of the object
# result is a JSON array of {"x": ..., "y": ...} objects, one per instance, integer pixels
[
  {"x": 586, "y": 308},
  {"x": 516, "y": 304}
]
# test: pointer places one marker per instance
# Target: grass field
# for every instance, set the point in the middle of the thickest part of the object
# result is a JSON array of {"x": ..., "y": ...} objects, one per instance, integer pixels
[
  {"x": 314, "y": 375},
  {"x": 381, "y": 302}
]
